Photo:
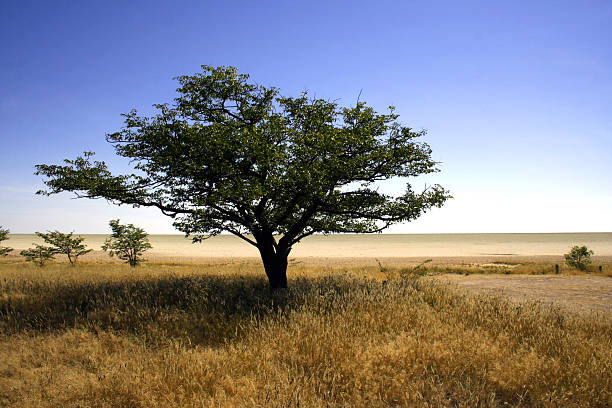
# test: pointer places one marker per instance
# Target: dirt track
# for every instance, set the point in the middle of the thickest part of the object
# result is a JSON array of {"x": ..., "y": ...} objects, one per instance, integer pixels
[{"x": 578, "y": 293}]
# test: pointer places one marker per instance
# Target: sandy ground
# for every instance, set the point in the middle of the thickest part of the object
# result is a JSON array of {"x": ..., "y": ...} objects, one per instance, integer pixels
[
  {"x": 577, "y": 293},
  {"x": 369, "y": 245},
  {"x": 335, "y": 262}
]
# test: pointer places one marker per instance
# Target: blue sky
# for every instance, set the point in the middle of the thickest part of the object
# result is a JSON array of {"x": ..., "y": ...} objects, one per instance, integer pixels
[{"x": 516, "y": 96}]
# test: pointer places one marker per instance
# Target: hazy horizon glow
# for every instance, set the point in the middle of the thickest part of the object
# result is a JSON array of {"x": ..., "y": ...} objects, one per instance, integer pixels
[{"x": 516, "y": 97}]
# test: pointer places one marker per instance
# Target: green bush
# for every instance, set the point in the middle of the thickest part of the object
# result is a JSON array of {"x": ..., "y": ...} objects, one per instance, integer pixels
[
  {"x": 65, "y": 244},
  {"x": 127, "y": 242},
  {"x": 3, "y": 237},
  {"x": 39, "y": 254},
  {"x": 579, "y": 257}
]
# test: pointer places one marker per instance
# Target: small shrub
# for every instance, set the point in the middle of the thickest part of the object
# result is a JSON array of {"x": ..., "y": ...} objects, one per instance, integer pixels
[
  {"x": 579, "y": 257},
  {"x": 4, "y": 251},
  {"x": 127, "y": 242},
  {"x": 65, "y": 244},
  {"x": 39, "y": 254}
]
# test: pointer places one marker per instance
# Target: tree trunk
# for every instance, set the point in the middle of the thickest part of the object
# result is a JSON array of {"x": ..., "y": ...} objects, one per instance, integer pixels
[
  {"x": 275, "y": 264},
  {"x": 276, "y": 270}
]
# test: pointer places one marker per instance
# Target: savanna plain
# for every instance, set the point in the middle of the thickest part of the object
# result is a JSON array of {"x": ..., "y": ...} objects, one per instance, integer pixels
[{"x": 484, "y": 323}]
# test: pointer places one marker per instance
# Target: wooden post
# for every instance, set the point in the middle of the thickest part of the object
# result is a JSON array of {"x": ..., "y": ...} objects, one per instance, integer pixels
[{"x": 557, "y": 269}]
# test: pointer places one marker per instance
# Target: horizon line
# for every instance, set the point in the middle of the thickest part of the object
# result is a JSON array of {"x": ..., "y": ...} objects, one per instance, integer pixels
[{"x": 359, "y": 233}]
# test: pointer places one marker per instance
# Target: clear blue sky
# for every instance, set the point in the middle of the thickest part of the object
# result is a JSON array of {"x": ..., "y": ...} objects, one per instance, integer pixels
[{"x": 516, "y": 96}]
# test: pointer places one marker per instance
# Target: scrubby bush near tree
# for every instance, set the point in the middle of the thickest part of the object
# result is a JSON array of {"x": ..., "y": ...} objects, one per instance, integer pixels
[
  {"x": 579, "y": 257},
  {"x": 4, "y": 251},
  {"x": 72, "y": 247},
  {"x": 127, "y": 242},
  {"x": 39, "y": 254}
]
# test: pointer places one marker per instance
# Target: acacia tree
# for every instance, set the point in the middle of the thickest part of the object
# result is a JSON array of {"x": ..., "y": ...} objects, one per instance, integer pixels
[
  {"x": 65, "y": 244},
  {"x": 4, "y": 251},
  {"x": 127, "y": 242},
  {"x": 230, "y": 155}
]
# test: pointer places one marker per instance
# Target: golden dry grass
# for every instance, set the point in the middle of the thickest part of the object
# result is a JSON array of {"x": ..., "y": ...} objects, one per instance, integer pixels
[{"x": 165, "y": 335}]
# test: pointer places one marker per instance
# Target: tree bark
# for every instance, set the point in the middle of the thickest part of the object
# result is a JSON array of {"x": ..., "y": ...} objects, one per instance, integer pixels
[
  {"x": 274, "y": 262},
  {"x": 276, "y": 270}
]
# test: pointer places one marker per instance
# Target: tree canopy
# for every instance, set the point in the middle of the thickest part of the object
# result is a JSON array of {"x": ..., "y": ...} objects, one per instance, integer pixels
[{"x": 233, "y": 156}]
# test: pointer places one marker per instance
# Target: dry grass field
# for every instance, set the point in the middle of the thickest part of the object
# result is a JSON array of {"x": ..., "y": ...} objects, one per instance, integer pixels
[{"x": 172, "y": 334}]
